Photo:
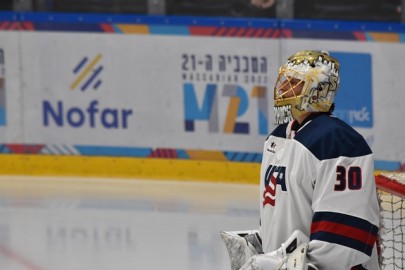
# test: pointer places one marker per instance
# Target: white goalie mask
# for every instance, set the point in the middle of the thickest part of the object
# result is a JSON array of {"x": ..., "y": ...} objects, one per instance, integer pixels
[{"x": 318, "y": 75}]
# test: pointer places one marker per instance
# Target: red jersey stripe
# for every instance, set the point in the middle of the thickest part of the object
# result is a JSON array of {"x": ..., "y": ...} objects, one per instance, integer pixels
[{"x": 344, "y": 230}]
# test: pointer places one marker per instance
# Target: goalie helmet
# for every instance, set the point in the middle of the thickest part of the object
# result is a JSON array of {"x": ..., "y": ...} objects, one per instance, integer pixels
[{"x": 317, "y": 73}]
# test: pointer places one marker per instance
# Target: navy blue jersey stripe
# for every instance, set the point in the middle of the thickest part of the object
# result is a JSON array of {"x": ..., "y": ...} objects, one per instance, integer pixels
[
  {"x": 280, "y": 131},
  {"x": 329, "y": 137},
  {"x": 343, "y": 241},
  {"x": 348, "y": 220}
]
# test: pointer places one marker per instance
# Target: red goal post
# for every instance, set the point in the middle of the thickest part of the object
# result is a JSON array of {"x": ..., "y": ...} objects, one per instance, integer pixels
[{"x": 391, "y": 194}]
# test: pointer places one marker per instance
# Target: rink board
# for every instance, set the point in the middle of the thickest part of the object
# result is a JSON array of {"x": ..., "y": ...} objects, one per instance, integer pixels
[
  {"x": 132, "y": 168},
  {"x": 124, "y": 167},
  {"x": 186, "y": 91}
]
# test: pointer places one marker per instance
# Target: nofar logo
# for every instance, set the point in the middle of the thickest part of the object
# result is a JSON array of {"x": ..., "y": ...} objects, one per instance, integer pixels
[
  {"x": 87, "y": 73},
  {"x": 70, "y": 112}
]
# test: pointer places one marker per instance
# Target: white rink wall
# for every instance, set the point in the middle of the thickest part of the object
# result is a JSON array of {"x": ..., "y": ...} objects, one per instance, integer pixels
[{"x": 150, "y": 90}]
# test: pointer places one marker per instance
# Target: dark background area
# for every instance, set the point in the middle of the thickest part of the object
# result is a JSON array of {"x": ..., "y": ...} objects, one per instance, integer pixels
[{"x": 359, "y": 10}]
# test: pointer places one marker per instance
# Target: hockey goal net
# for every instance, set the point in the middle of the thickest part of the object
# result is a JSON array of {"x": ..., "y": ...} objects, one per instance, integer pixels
[{"x": 391, "y": 193}]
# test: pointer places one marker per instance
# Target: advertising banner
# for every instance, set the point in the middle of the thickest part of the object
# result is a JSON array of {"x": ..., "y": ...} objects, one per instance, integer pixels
[
  {"x": 175, "y": 94},
  {"x": 11, "y": 104},
  {"x": 148, "y": 91}
]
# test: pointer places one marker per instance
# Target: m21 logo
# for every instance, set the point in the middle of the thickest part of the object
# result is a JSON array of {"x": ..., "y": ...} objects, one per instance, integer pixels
[
  {"x": 240, "y": 101},
  {"x": 354, "y": 100},
  {"x": 227, "y": 91}
]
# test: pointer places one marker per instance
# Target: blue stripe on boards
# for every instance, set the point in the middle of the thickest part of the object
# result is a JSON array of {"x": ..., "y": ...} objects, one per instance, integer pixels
[
  {"x": 167, "y": 29},
  {"x": 323, "y": 34},
  {"x": 51, "y": 20},
  {"x": 67, "y": 27},
  {"x": 182, "y": 154},
  {"x": 113, "y": 151}
]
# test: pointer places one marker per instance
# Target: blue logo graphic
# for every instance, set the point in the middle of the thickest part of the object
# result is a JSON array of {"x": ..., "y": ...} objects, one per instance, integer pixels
[
  {"x": 239, "y": 102},
  {"x": 87, "y": 74},
  {"x": 354, "y": 100}
]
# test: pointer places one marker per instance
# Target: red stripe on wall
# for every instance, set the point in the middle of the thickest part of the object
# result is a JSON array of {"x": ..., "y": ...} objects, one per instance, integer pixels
[
  {"x": 276, "y": 33},
  {"x": 4, "y": 25},
  {"x": 241, "y": 32},
  {"x": 24, "y": 149},
  {"x": 220, "y": 31},
  {"x": 250, "y": 32},
  {"x": 163, "y": 153},
  {"x": 232, "y": 31},
  {"x": 286, "y": 33},
  {"x": 28, "y": 26},
  {"x": 15, "y": 26},
  {"x": 360, "y": 36},
  {"x": 201, "y": 31},
  {"x": 226, "y": 31},
  {"x": 259, "y": 32},
  {"x": 344, "y": 230},
  {"x": 108, "y": 28},
  {"x": 268, "y": 32}
]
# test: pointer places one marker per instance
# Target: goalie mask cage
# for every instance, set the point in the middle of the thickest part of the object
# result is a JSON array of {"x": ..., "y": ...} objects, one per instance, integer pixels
[{"x": 391, "y": 194}]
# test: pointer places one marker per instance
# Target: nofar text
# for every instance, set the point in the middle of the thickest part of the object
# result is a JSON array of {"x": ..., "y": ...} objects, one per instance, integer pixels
[{"x": 92, "y": 116}]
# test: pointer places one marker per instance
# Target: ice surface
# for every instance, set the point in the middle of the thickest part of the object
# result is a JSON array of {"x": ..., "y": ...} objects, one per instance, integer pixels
[{"x": 54, "y": 223}]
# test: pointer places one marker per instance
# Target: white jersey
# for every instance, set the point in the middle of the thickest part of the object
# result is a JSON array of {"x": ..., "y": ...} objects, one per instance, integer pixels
[{"x": 320, "y": 180}]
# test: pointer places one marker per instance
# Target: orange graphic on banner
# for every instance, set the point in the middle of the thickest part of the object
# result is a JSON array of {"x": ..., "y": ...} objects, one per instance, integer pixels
[{"x": 231, "y": 114}]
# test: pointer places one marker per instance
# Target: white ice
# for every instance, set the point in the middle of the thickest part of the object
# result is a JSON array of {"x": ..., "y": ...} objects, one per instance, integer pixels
[{"x": 55, "y": 223}]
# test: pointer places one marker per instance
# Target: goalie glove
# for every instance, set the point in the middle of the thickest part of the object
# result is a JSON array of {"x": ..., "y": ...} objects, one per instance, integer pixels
[
  {"x": 297, "y": 260},
  {"x": 241, "y": 245},
  {"x": 290, "y": 256}
]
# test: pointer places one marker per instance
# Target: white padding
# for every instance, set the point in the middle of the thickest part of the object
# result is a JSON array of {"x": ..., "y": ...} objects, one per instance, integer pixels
[{"x": 239, "y": 249}]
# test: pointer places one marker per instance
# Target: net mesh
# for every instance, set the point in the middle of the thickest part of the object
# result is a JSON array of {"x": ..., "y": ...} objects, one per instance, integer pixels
[{"x": 391, "y": 193}]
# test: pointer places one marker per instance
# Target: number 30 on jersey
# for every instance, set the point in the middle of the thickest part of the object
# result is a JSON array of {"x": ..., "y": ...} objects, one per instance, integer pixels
[{"x": 348, "y": 178}]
